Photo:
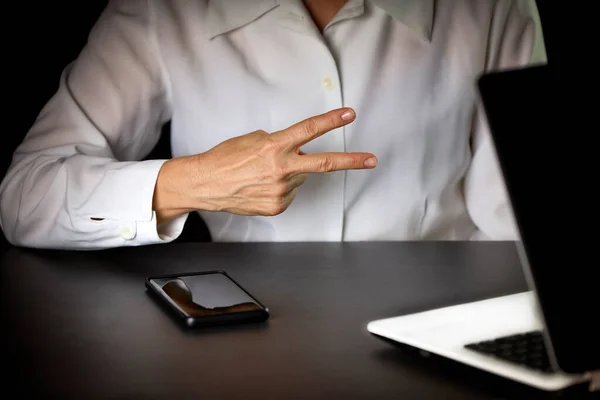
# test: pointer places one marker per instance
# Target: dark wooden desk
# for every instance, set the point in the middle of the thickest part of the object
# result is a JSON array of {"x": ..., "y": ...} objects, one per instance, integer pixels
[{"x": 81, "y": 325}]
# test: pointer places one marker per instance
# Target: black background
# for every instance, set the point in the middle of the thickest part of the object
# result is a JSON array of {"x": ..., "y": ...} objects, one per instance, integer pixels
[{"x": 41, "y": 38}]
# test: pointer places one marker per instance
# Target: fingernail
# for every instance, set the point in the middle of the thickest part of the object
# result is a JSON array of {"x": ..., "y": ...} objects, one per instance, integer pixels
[
  {"x": 371, "y": 162},
  {"x": 348, "y": 115}
]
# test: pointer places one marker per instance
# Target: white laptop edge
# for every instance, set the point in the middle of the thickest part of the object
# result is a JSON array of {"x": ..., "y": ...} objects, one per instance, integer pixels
[{"x": 439, "y": 331}]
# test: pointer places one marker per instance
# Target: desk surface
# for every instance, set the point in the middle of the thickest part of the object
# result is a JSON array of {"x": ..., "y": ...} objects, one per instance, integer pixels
[{"x": 81, "y": 325}]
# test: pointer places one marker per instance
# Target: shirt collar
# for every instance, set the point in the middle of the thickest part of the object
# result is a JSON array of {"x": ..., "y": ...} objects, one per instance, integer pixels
[
  {"x": 226, "y": 15},
  {"x": 416, "y": 14}
]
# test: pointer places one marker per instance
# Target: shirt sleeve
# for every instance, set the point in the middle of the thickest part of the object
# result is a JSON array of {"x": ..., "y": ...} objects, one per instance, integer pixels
[
  {"x": 76, "y": 182},
  {"x": 515, "y": 40}
]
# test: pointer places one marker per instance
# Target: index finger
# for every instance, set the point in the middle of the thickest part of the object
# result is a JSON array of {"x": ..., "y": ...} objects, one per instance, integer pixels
[{"x": 303, "y": 132}]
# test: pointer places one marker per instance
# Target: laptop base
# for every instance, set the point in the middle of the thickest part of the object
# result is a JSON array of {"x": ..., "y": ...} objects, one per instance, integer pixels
[{"x": 453, "y": 331}]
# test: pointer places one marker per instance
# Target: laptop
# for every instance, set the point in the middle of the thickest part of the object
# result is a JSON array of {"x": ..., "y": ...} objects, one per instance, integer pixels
[{"x": 549, "y": 336}]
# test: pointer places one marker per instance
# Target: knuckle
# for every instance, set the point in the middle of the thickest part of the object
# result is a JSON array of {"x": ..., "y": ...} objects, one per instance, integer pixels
[
  {"x": 355, "y": 160},
  {"x": 311, "y": 127},
  {"x": 258, "y": 134},
  {"x": 280, "y": 189},
  {"x": 279, "y": 171},
  {"x": 268, "y": 144},
  {"x": 326, "y": 164},
  {"x": 332, "y": 121},
  {"x": 276, "y": 208}
]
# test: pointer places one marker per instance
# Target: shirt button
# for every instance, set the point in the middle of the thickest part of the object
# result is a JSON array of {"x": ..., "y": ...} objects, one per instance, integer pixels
[
  {"x": 127, "y": 233},
  {"x": 328, "y": 83}
]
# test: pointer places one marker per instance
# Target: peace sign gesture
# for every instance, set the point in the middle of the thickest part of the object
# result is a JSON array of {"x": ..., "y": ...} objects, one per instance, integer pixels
[{"x": 254, "y": 174}]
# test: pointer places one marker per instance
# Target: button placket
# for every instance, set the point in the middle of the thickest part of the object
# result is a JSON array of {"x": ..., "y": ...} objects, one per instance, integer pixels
[{"x": 332, "y": 87}]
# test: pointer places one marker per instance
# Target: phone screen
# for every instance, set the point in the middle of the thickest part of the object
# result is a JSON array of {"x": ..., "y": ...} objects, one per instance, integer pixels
[{"x": 208, "y": 297}]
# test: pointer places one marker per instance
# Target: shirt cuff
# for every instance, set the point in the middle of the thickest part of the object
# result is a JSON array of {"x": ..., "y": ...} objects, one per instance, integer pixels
[
  {"x": 167, "y": 231},
  {"x": 122, "y": 202}
]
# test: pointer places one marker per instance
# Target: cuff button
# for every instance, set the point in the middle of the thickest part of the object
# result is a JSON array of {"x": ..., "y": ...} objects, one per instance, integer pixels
[{"x": 127, "y": 233}]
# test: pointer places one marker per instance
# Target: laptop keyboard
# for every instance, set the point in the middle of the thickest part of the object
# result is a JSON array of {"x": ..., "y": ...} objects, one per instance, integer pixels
[{"x": 526, "y": 349}]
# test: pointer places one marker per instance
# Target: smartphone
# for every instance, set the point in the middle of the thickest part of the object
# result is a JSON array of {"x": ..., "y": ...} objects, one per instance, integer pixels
[{"x": 206, "y": 298}]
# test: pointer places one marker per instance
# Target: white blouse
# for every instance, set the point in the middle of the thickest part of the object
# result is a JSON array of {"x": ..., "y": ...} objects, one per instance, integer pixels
[{"x": 219, "y": 69}]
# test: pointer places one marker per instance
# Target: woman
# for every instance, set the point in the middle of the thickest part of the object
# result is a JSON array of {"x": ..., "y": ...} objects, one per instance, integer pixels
[{"x": 290, "y": 120}]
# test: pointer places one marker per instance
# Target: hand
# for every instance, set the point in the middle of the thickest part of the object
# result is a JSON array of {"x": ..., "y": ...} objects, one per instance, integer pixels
[{"x": 253, "y": 174}]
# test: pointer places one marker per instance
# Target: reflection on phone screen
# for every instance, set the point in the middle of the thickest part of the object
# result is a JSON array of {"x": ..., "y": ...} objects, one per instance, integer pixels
[{"x": 207, "y": 295}]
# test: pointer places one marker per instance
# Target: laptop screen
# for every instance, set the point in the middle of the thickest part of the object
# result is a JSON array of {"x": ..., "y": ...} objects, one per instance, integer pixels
[{"x": 552, "y": 182}]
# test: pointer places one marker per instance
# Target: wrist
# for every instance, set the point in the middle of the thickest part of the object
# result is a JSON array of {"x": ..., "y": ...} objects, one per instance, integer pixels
[
  {"x": 171, "y": 192},
  {"x": 182, "y": 187}
]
